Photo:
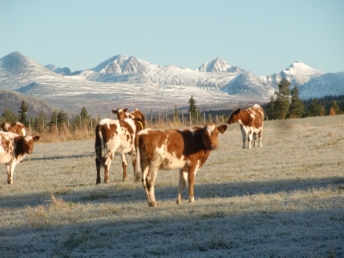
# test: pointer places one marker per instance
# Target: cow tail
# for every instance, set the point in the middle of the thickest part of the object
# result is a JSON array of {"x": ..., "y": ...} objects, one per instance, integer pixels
[{"x": 99, "y": 146}]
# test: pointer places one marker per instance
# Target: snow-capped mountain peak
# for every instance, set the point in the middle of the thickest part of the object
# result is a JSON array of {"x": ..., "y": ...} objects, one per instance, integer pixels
[
  {"x": 218, "y": 65},
  {"x": 297, "y": 74},
  {"x": 122, "y": 65},
  {"x": 300, "y": 68}
]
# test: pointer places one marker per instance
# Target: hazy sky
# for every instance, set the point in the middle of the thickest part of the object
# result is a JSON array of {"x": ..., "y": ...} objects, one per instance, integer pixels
[{"x": 262, "y": 36}]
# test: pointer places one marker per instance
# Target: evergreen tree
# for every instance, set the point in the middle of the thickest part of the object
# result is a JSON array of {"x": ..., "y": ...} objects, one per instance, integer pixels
[
  {"x": 53, "y": 118},
  {"x": 192, "y": 107},
  {"x": 270, "y": 109},
  {"x": 39, "y": 121},
  {"x": 61, "y": 118},
  {"x": 23, "y": 113},
  {"x": 9, "y": 116},
  {"x": 314, "y": 108},
  {"x": 297, "y": 108},
  {"x": 282, "y": 102},
  {"x": 83, "y": 114}
]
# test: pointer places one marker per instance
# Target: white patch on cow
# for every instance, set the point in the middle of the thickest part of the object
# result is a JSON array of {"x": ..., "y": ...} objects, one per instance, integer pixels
[
  {"x": 146, "y": 131},
  {"x": 210, "y": 128},
  {"x": 197, "y": 166}
]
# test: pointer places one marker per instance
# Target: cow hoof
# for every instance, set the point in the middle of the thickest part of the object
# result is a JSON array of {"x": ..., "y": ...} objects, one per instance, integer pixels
[
  {"x": 192, "y": 200},
  {"x": 124, "y": 179},
  {"x": 10, "y": 182},
  {"x": 178, "y": 201},
  {"x": 152, "y": 204}
]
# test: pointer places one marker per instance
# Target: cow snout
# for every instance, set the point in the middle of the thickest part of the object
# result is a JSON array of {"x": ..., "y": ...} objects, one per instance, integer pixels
[
  {"x": 213, "y": 147},
  {"x": 29, "y": 151}
]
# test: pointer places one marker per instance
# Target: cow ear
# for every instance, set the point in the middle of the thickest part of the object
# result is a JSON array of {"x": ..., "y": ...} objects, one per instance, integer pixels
[
  {"x": 125, "y": 110},
  {"x": 196, "y": 127},
  {"x": 222, "y": 128},
  {"x": 36, "y": 138},
  {"x": 114, "y": 111}
]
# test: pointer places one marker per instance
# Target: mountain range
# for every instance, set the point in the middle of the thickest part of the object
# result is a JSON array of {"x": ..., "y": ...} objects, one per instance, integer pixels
[{"x": 127, "y": 81}]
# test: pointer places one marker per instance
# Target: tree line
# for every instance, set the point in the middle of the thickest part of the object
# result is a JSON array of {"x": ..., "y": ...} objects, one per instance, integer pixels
[
  {"x": 40, "y": 121},
  {"x": 285, "y": 103}
]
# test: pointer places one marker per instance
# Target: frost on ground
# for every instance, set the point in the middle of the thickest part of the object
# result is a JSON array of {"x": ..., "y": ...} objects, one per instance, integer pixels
[{"x": 283, "y": 200}]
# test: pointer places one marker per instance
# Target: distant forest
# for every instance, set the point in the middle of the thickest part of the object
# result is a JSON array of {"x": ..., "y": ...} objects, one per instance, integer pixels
[{"x": 324, "y": 105}]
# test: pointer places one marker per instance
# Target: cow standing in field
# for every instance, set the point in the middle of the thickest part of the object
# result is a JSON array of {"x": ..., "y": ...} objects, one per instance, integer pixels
[
  {"x": 117, "y": 136},
  {"x": 251, "y": 122},
  {"x": 13, "y": 148},
  {"x": 174, "y": 149},
  {"x": 16, "y": 127}
]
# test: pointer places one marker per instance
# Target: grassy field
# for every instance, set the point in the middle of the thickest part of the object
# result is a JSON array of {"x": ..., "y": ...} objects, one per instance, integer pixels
[{"x": 283, "y": 200}]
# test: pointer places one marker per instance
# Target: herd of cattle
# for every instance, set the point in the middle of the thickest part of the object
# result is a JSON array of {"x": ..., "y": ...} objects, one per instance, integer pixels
[{"x": 151, "y": 149}]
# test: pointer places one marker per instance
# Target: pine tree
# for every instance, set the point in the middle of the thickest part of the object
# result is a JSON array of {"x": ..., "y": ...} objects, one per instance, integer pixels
[
  {"x": 39, "y": 121},
  {"x": 192, "y": 107},
  {"x": 83, "y": 114},
  {"x": 297, "y": 108},
  {"x": 53, "y": 118},
  {"x": 282, "y": 102},
  {"x": 9, "y": 116},
  {"x": 270, "y": 110},
  {"x": 314, "y": 108},
  {"x": 23, "y": 113},
  {"x": 61, "y": 118}
]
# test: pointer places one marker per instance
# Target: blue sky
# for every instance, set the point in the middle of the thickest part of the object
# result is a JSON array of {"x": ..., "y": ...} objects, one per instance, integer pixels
[{"x": 263, "y": 36}]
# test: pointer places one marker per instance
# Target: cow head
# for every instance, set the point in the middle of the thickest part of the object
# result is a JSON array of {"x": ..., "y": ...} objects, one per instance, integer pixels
[
  {"x": 121, "y": 113},
  {"x": 25, "y": 143},
  {"x": 210, "y": 135},
  {"x": 137, "y": 115},
  {"x": 234, "y": 117}
]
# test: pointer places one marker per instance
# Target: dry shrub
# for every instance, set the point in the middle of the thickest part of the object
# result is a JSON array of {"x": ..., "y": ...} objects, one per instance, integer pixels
[
  {"x": 37, "y": 216},
  {"x": 58, "y": 202}
]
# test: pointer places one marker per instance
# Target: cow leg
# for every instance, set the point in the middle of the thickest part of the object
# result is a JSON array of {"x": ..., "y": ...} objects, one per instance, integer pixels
[
  {"x": 243, "y": 133},
  {"x": 10, "y": 170},
  {"x": 124, "y": 166},
  {"x": 153, "y": 171},
  {"x": 260, "y": 136},
  {"x": 133, "y": 156},
  {"x": 249, "y": 139},
  {"x": 254, "y": 139},
  {"x": 191, "y": 177},
  {"x": 107, "y": 164},
  {"x": 183, "y": 175},
  {"x": 98, "y": 166},
  {"x": 146, "y": 182}
]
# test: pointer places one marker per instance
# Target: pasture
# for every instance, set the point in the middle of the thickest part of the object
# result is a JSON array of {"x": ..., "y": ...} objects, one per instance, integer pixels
[{"x": 283, "y": 200}]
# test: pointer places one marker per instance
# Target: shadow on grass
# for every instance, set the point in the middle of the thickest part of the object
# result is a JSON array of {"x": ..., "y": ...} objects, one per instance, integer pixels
[
  {"x": 107, "y": 193},
  {"x": 58, "y": 157}
]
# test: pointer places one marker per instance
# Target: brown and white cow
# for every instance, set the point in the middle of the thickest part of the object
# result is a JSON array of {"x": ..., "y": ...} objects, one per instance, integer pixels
[
  {"x": 117, "y": 136},
  {"x": 16, "y": 127},
  {"x": 251, "y": 122},
  {"x": 13, "y": 148},
  {"x": 174, "y": 149}
]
